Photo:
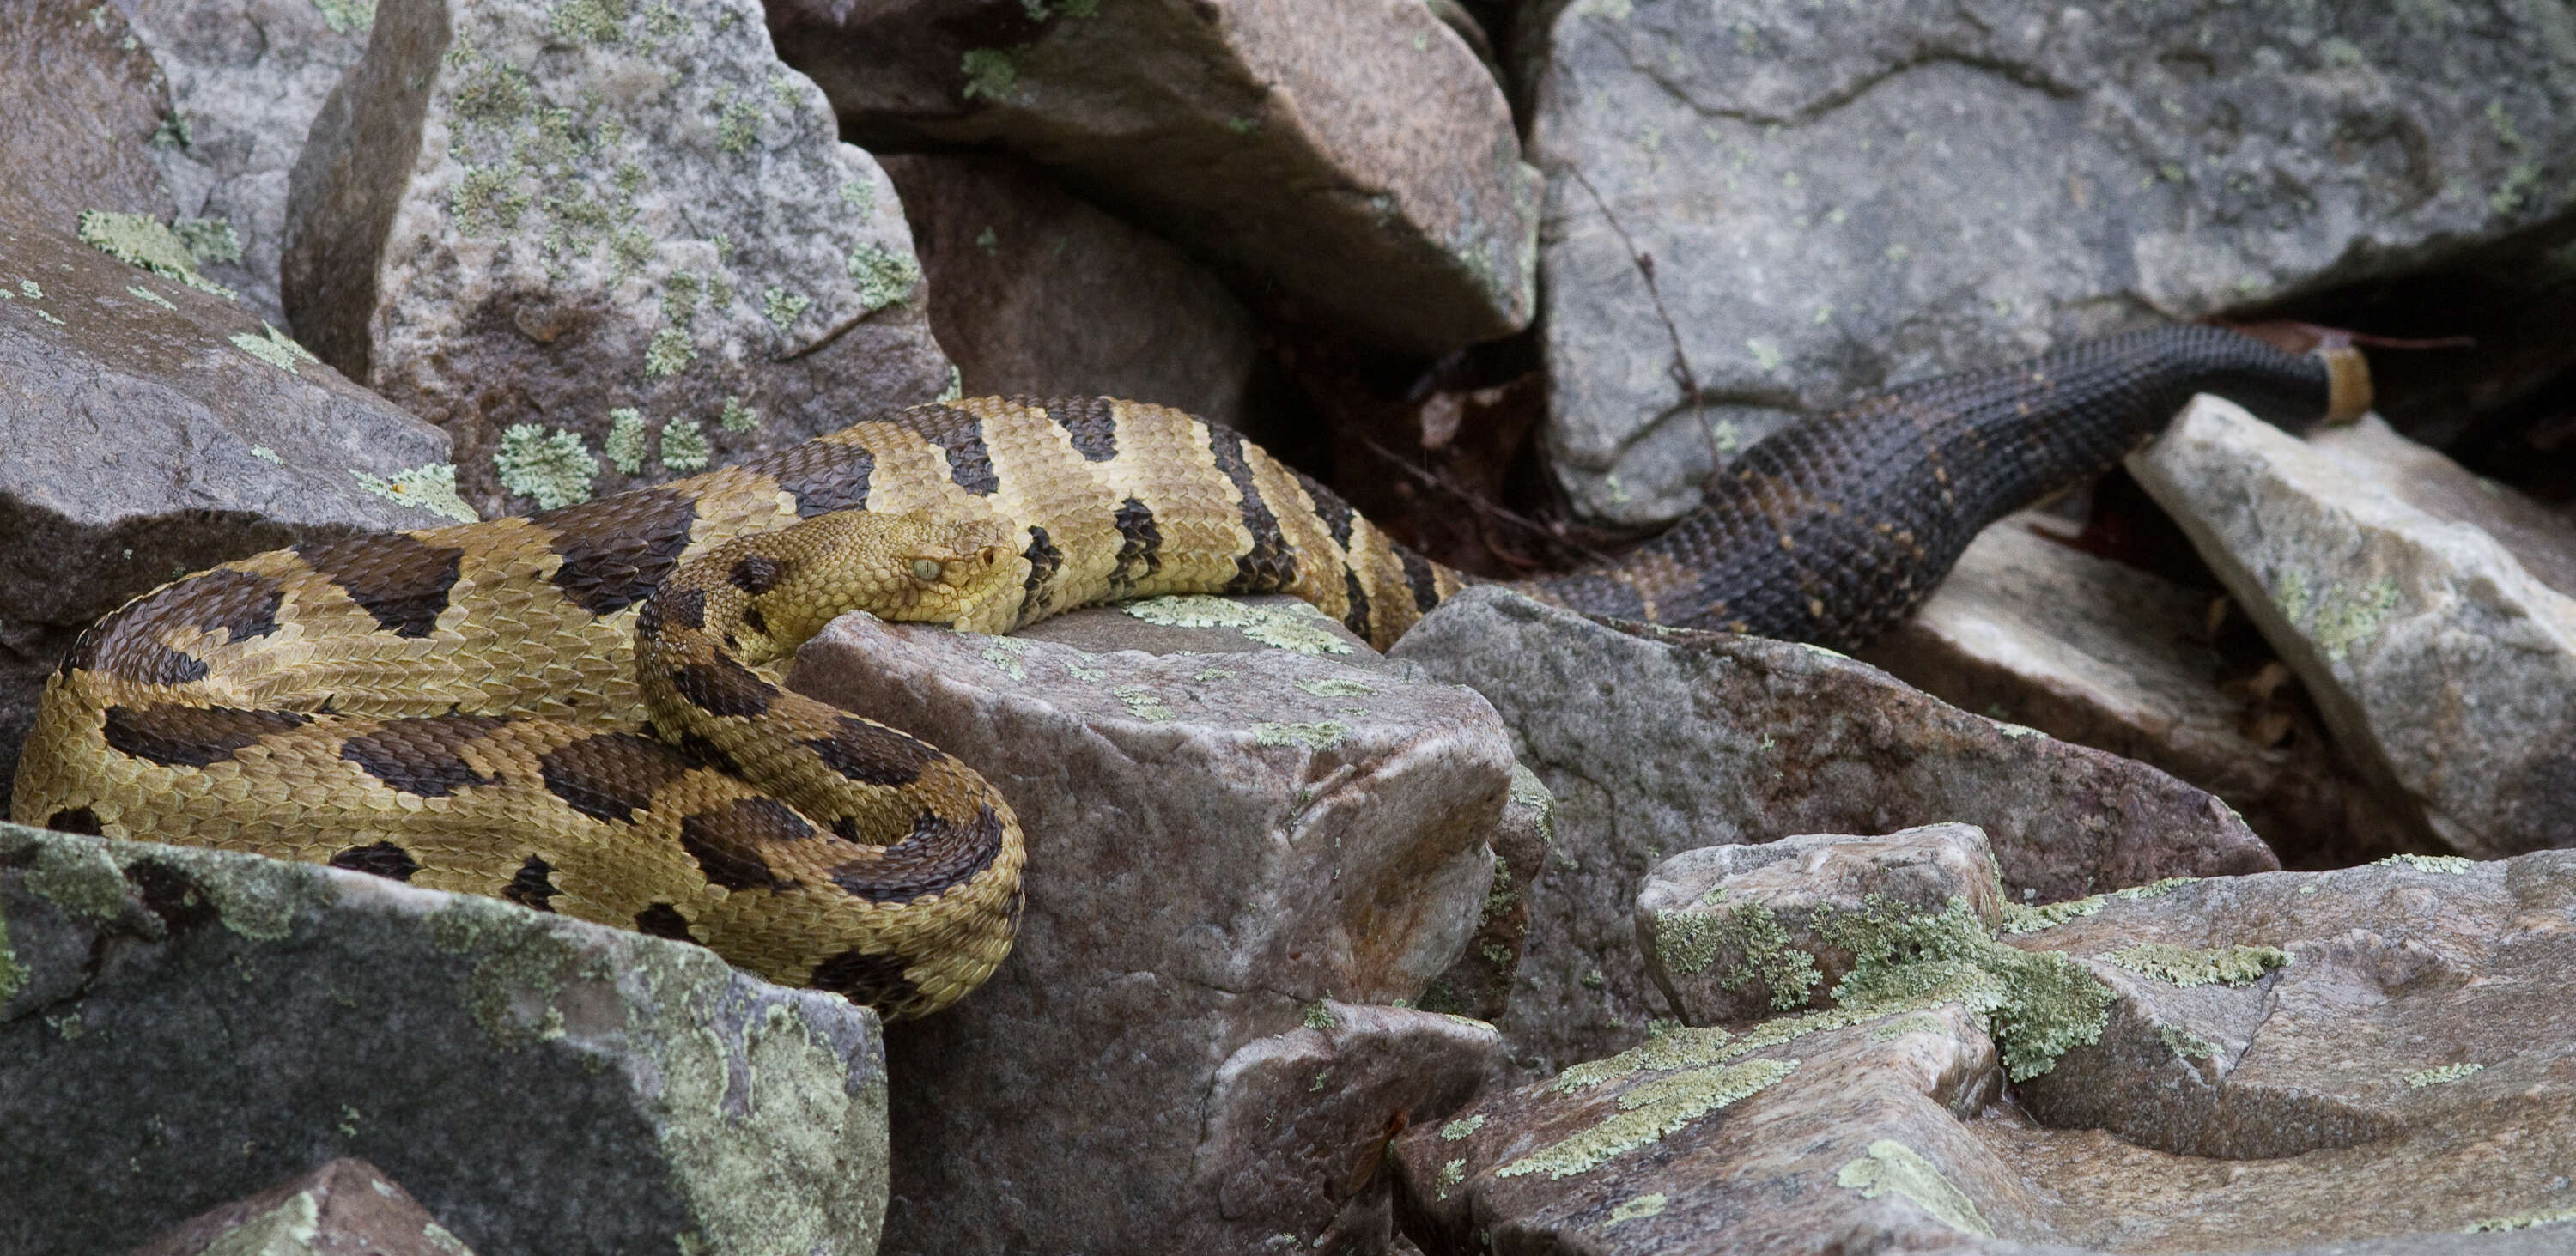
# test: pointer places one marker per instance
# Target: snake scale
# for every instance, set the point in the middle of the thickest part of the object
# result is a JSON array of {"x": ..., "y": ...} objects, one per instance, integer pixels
[{"x": 579, "y": 711}]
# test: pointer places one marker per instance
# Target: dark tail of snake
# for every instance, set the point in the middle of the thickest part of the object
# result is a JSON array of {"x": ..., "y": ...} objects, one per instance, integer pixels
[{"x": 1832, "y": 531}]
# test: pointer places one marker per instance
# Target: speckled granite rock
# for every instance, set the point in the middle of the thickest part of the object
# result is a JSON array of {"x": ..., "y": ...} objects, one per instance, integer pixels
[
  {"x": 345, "y": 1208},
  {"x": 2356, "y": 1061},
  {"x": 246, "y": 79},
  {"x": 83, "y": 102},
  {"x": 1218, "y": 844},
  {"x": 1656, "y": 741},
  {"x": 625, "y": 233},
  {"x": 179, "y": 1028},
  {"x": 1356, "y": 154},
  {"x": 1035, "y": 292},
  {"x": 1834, "y": 199},
  {"x": 151, "y": 430},
  {"x": 2442, "y": 654},
  {"x": 2105, "y": 655}
]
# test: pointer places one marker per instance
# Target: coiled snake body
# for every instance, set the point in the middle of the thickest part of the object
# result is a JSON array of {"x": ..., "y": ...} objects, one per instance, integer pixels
[{"x": 577, "y": 711}]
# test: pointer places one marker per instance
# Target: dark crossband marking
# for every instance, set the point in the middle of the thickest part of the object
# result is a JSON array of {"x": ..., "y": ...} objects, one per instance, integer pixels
[
  {"x": 970, "y": 464},
  {"x": 175, "y": 736},
  {"x": 75, "y": 820},
  {"x": 939, "y": 854},
  {"x": 723, "y": 687},
  {"x": 1357, "y": 617},
  {"x": 1329, "y": 507},
  {"x": 611, "y": 776},
  {"x": 1422, "y": 579},
  {"x": 873, "y": 754},
  {"x": 870, "y": 979},
  {"x": 707, "y": 754},
  {"x": 126, "y": 644},
  {"x": 533, "y": 886},
  {"x": 401, "y": 582},
  {"x": 1140, "y": 543},
  {"x": 1091, "y": 423},
  {"x": 1269, "y": 566},
  {"x": 1044, "y": 561},
  {"x": 617, "y": 550},
  {"x": 421, "y": 756},
  {"x": 725, "y": 840},
  {"x": 754, "y": 574},
  {"x": 822, "y": 475},
  {"x": 662, "y": 920},
  {"x": 383, "y": 859},
  {"x": 685, "y": 607}
]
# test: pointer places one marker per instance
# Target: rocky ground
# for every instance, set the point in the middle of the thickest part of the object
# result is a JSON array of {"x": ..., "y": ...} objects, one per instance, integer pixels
[{"x": 2190, "y": 875}]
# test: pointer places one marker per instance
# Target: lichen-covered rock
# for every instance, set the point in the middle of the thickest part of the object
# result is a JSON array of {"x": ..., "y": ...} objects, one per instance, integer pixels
[
  {"x": 1656, "y": 741},
  {"x": 1480, "y": 983},
  {"x": 2207, "y": 1066},
  {"x": 600, "y": 243},
  {"x": 2106, "y": 655},
  {"x": 1222, "y": 848},
  {"x": 246, "y": 79},
  {"x": 84, "y": 104},
  {"x": 1767, "y": 214},
  {"x": 1742, "y": 933},
  {"x": 345, "y": 1208},
  {"x": 179, "y": 1028},
  {"x": 149, "y": 429},
  {"x": 1357, "y": 155},
  {"x": 2441, "y": 652},
  {"x": 1034, "y": 292}
]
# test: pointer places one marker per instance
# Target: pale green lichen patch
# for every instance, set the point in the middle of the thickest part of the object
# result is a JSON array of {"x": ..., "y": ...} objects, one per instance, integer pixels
[
  {"x": 154, "y": 297},
  {"x": 1650, "y": 1111},
  {"x": 2037, "y": 1004},
  {"x": 782, "y": 308},
  {"x": 2441, "y": 1076},
  {"x": 989, "y": 74},
  {"x": 519, "y": 966},
  {"x": 1891, "y": 1167},
  {"x": 344, "y": 16},
  {"x": 2188, "y": 1045},
  {"x": 1456, "y": 1130},
  {"x": 2337, "y": 619},
  {"x": 13, "y": 978},
  {"x": 1319, "y": 1015},
  {"x": 684, "y": 446},
  {"x": 885, "y": 276},
  {"x": 2019, "y": 919},
  {"x": 669, "y": 353},
  {"x": 1336, "y": 687},
  {"x": 79, "y": 877},
  {"x": 212, "y": 241},
  {"x": 277, "y": 349},
  {"x": 141, "y": 240},
  {"x": 1003, "y": 653},
  {"x": 431, "y": 488},
  {"x": 1688, "y": 941},
  {"x": 2498, "y": 1225},
  {"x": 738, "y": 417},
  {"x": 1322, "y": 735},
  {"x": 1142, "y": 703},
  {"x": 2452, "y": 865},
  {"x": 2200, "y": 966},
  {"x": 1300, "y": 629},
  {"x": 625, "y": 443},
  {"x": 553, "y": 468},
  {"x": 1642, "y": 1206},
  {"x": 1676, "y": 1046}
]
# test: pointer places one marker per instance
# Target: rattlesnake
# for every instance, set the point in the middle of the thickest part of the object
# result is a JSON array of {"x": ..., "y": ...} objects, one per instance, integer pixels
[{"x": 461, "y": 708}]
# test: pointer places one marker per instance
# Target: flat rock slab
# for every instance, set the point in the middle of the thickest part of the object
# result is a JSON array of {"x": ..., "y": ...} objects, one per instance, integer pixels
[
  {"x": 247, "y": 78},
  {"x": 344, "y": 1208},
  {"x": 1223, "y": 849},
  {"x": 84, "y": 101},
  {"x": 1837, "y": 199},
  {"x": 180, "y": 1028},
  {"x": 624, "y": 232},
  {"x": 153, "y": 429},
  {"x": 2340, "y": 1062},
  {"x": 1357, "y": 155},
  {"x": 1656, "y": 741},
  {"x": 2430, "y": 615}
]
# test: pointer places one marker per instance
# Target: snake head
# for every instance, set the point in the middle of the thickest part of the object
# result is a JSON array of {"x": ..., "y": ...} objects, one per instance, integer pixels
[{"x": 963, "y": 574}]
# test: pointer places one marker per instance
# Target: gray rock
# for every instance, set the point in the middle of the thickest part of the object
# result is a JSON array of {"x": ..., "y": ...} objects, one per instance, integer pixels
[
  {"x": 1480, "y": 983},
  {"x": 1034, "y": 292},
  {"x": 1218, "y": 844},
  {"x": 2443, "y": 656},
  {"x": 179, "y": 1028},
  {"x": 246, "y": 79},
  {"x": 153, "y": 430},
  {"x": 1657, "y": 741},
  {"x": 2311, "y": 1062},
  {"x": 84, "y": 101},
  {"x": 344, "y": 1208},
  {"x": 1357, "y": 155},
  {"x": 1732, "y": 933},
  {"x": 2105, "y": 655},
  {"x": 1834, "y": 199},
  {"x": 600, "y": 243}
]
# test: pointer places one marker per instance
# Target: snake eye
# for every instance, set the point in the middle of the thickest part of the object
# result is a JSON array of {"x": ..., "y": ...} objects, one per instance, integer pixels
[{"x": 928, "y": 569}]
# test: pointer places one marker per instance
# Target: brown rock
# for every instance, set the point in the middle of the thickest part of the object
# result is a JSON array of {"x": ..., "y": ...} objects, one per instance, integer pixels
[
  {"x": 345, "y": 1208},
  {"x": 1034, "y": 292},
  {"x": 152, "y": 430},
  {"x": 1657, "y": 741},
  {"x": 83, "y": 102},
  {"x": 1357, "y": 155},
  {"x": 1222, "y": 848}
]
